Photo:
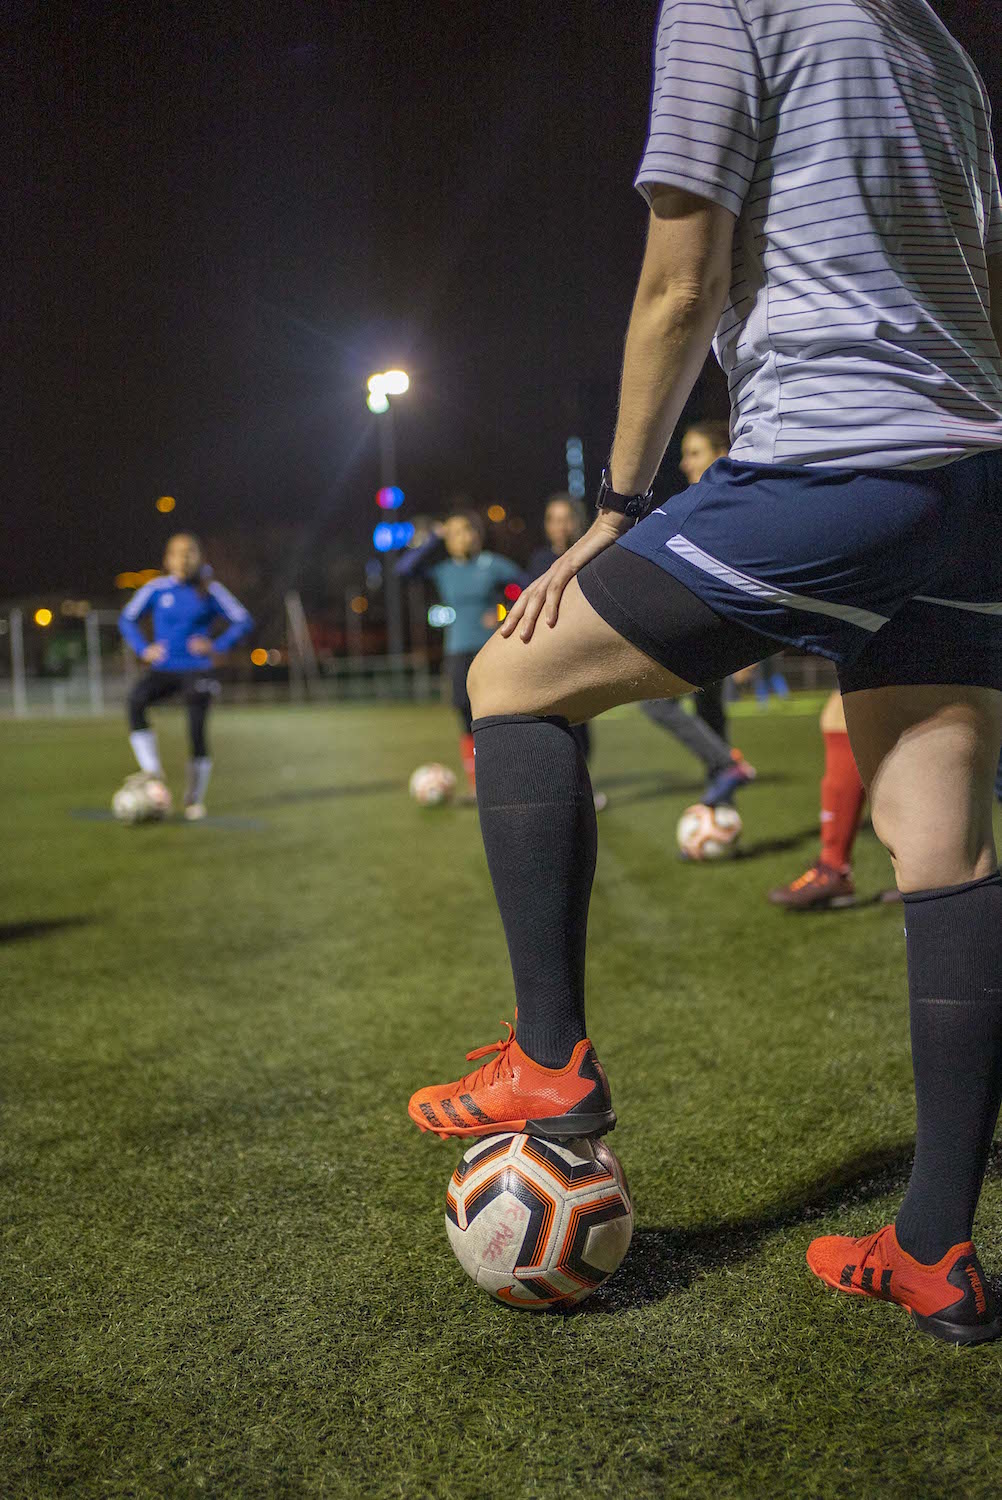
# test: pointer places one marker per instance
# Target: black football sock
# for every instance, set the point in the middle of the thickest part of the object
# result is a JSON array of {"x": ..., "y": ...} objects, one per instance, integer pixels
[
  {"x": 954, "y": 942},
  {"x": 537, "y": 817}
]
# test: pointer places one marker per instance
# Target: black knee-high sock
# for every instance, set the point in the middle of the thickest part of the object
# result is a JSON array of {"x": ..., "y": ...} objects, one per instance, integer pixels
[
  {"x": 954, "y": 941},
  {"x": 537, "y": 817}
]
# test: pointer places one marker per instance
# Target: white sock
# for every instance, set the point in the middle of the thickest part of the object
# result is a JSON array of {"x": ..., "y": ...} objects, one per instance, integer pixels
[
  {"x": 199, "y": 771},
  {"x": 144, "y": 748}
]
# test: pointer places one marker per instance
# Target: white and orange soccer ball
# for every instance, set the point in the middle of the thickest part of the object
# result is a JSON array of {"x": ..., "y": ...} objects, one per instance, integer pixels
[
  {"x": 708, "y": 832},
  {"x": 536, "y": 1223},
  {"x": 432, "y": 785}
]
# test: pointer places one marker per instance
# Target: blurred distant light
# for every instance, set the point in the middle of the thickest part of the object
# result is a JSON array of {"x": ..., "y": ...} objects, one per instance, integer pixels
[
  {"x": 259, "y": 656},
  {"x": 274, "y": 658},
  {"x": 374, "y": 573},
  {"x": 43, "y": 617},
  {"x": 147, "y": 575},
  {"x": 516, "y": 524},
  {"x": 390, "y": 538},
  {"x": 166, "y": 504},
  {"x": 574, "y": 450},
  {"x": 377, "y": 401},
  {"x": 576, "y": 483},
  {"x": 496, "y": 513},
  {"x": 126, "y": 581},
  {"x": 395, "y": 382},
  {"x": 441, "y": 615},
  {"x": 502, "y": 613},
  {"x": 374, "y": 385},
  {"x": 390, "y": 497},
  {"x": 512, "y": 591},
  {"x": 359, "y": 604}
]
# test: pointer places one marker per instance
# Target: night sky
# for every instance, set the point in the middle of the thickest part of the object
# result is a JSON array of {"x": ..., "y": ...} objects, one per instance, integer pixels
[{"x": 222, "y": 218}]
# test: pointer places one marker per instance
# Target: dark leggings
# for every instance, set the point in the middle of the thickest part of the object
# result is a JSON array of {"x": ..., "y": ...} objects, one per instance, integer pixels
[{"x": 198, "y": 689}]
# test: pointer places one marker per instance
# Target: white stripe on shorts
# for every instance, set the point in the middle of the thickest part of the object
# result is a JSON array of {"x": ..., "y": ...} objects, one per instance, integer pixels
[
  {"x": 976, "y": 609},
  {"x": 864, "y": 618}
]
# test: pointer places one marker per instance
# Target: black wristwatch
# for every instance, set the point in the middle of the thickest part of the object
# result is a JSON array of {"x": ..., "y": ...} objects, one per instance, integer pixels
[{"x": 634, "y": 506}]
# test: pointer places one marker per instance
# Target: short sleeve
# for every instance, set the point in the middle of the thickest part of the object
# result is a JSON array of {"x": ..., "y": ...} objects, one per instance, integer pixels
[
  {"x": 993, "y": 225},
  {"x": 705, "y": 103}
]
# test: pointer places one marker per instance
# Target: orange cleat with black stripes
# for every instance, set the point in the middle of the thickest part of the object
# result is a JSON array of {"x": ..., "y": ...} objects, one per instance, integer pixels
[
  {"x": 950, "y": 1300},
  {"x": 511, "y": 1092}
]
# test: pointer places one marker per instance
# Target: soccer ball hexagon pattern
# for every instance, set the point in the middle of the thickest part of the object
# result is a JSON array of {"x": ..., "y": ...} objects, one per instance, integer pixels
[
  {"x": 432, "y": 785},
  {"x": 708, "y": 832},
  {"x": 536, "y": 1223}
]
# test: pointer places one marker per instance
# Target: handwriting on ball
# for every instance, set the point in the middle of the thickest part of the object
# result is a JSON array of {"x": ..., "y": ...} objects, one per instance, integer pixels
[{"x": 505, "y": 1233}]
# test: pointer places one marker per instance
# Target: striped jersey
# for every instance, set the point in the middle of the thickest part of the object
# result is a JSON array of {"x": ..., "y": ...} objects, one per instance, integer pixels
[
  {"x": 181, "y": 610},
  {"x": 852, "y": 140}
]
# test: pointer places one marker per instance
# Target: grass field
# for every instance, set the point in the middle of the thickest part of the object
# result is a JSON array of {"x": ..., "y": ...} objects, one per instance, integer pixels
[{"x": 224, "y": 1265}]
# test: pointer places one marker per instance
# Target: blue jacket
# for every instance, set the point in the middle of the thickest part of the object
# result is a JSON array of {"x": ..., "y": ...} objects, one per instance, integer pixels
[{"x": 180, "y": 611}]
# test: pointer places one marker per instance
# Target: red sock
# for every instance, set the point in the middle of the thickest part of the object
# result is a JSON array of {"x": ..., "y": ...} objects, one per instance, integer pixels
[
  {"x": 842, "y": 798},
  {"x": 469, "y": 760}
]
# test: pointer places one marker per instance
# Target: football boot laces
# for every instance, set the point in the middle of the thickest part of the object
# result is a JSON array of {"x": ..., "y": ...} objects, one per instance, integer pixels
[{"x": 498, "y": 1067}]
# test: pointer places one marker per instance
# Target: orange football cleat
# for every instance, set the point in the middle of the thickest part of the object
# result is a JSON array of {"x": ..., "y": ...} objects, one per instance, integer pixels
[
  {"x": 511, "y": 1092},
  {"x": 951, "y": 1299}
]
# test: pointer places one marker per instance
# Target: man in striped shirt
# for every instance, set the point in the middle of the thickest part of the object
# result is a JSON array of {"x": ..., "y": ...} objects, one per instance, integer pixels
[{"x": 825, "y": 211}]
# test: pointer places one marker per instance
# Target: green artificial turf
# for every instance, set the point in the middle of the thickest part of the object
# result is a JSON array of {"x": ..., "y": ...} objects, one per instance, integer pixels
[{"x": 224, "y": 1269}]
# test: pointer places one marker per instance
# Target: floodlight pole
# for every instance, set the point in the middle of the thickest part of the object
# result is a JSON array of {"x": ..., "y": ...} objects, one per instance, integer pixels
[{"x": 394, "y": 612}]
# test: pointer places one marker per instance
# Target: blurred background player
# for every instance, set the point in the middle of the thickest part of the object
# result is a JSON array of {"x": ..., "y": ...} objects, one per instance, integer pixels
[
  {"x": 470, "y": 581},
  {"x": 185, "y": 604},
  {"x": 829, "y": 882},
  {"x": 564, "y": 522},
  {"x": 705, "y": 732}
]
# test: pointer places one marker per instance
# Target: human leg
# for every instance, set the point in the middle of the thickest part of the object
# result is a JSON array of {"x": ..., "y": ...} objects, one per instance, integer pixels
[
  {"x": 928, "y": 756},
  {"x": 709, "y": 705},
  {"x": 198, "y": 700},
  {"x": 537, "y": 818},
  {"x": 458, "y": 667},
  {"x": 151, "y": 688}
]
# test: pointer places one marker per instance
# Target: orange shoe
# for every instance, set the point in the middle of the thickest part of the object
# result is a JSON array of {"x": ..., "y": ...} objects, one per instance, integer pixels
[
  {"x": 511, "y": 1092},
  {"x": 951, "y": 1300}
]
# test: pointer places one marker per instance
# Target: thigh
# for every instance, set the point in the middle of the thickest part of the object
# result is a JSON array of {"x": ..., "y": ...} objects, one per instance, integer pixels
[
  {"x": 459, "y": 666},
  {"x": 577, "y": 668},
  {"x": 927, "y": 755},
  {"x": 152, "y": 687}
]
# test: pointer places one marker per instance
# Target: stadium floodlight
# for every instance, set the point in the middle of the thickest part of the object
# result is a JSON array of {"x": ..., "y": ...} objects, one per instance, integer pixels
[
  {"x": 377, "y": 400},
  {"x": 395, "y": 382}
]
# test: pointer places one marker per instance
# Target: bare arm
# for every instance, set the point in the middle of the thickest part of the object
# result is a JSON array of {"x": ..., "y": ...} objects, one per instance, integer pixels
[{"x": 683, "y": 286}]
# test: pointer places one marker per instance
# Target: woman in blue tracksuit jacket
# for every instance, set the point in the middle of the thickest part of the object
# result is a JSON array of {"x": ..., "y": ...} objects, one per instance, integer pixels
[{"x": 185, "y": 605}]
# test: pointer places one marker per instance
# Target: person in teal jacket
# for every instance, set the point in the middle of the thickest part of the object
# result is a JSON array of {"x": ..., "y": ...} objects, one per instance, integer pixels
[{"x": 471, "y": 583}]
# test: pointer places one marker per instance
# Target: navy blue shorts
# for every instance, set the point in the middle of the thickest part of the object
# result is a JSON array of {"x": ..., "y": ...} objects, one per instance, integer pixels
[{"x": 895, "y": 575}]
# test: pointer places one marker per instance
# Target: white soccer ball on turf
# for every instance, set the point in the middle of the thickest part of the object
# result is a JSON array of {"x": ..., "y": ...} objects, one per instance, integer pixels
[
  {"x": 708, "y": 832},
  {"x": 141, "y": 799},
  {"x": 536, "y": 1223},
  {"x": 432, "y": 785}
]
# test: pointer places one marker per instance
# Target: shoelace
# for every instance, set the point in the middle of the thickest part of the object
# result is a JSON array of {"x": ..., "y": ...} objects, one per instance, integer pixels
[
  {"x": 865, "y": 1249},
  {"x": 808, "y": 878},
  {"x": 489, "y": 1072}
]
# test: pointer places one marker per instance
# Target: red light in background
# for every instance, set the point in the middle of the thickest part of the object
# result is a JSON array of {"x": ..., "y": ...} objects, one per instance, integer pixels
[{"x": 512, "y": 591}]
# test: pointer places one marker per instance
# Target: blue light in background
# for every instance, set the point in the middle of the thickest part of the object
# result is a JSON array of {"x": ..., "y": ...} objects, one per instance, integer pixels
[
  {"x": 390, "y": 497},
  {"x": 391, "y": 538},
  {"x": 441, "y": 615}
]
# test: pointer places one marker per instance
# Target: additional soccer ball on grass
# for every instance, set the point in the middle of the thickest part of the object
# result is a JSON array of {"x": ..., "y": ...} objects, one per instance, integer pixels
[
  {"x": 708, "y": 832},
  {"x": 433, "y": 785},
  {"x": 141, "y": 799},
  {"x": 538, "y": 1224}
]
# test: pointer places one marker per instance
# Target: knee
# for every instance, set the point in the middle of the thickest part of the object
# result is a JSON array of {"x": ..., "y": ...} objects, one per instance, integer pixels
[{"x": 927, "y": 854}]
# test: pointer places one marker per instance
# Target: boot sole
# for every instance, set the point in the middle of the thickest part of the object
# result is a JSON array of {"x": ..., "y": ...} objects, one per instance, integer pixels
[
  {"x": 937, "y": 1328},
  {"x": 554, "y": 1127}
]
